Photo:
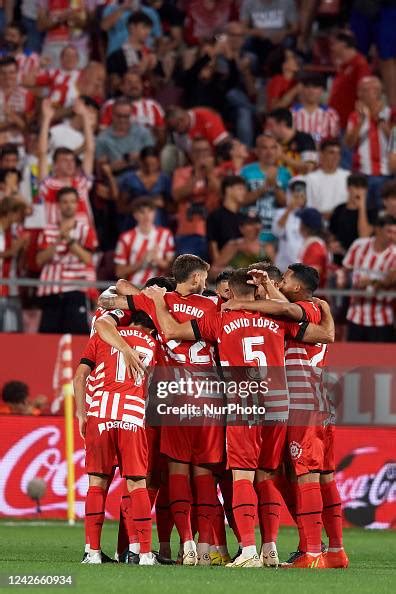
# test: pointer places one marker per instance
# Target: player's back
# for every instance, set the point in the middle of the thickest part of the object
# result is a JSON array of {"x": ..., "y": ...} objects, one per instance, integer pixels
[{"x": 112, "y": 393}]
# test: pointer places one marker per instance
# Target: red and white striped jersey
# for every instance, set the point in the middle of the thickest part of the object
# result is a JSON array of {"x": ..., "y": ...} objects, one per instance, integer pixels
[
  {"x": 183, "y": 309},
  {"x": 26, "y": 64},
  {"x": 146, "y": 112},
  {"x": 20, "y": 101},
  {"x": 371, "y": 152},
  {"x": 366, "y": 262},
  {"x": 5, "y": 263},
  {"x": 249, "y": 339},
  {"x": 65, "y": 266},
  {"x": 304, "y": 363},
  {"x": 49, "y": 188},
  {"x": 110, "y": 393},
  {"x": 322, "y": 123},
  {"x": 62, "y": 85},
  {"x": 133, "y": 246}
]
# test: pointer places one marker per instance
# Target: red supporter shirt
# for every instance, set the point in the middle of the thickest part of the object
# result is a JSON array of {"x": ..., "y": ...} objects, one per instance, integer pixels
[
  {"x": 146, "y": 112},
  {"x": 370, "y": 155},
  {"x": 344, "y": 90},
  {"x": 49, "y": 188},
  {"x": 111, "y": 394},
  {"x": 133, "y": 246},
  {"x": 65, "y": 266},
  {"x": 249, "y": 339},
  {"x": 62, "y": 85},
  {"x": 204, "y": 123},
  {"x": 183, "y": 309},
  {"x": 314, "y": 253},
  {"x": 303, "y": 367},
  {"x": 278, "y": 86}
]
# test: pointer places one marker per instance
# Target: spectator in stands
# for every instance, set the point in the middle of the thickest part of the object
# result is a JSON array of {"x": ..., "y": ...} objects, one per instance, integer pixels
[
  {"x": 145, "y": 111},
  {"x": 145, "y": 251},
  {"x": 121, "y": 143},
  {"x": 115, "y": 19},
  {"x": 373, "y": 23},
  {"x": 298, "y": 148},
  {"x": 310, "y": 115},
  {"x": 351, "y": 219},
  {"x": 196, "y": 191},
  {"x": 313, "y": 252},
  {"x": 15, "y": 396},
  {"x": 352, "y": 67},
  {"x": 371, "y": 259},
  {"x": 245, "y": 250},
  {"x": 270, "y": 23},
  {"x": 388, "y": 195},
  {"x": 283, "y": 87},
  {"x": 65, "y": 254},
  {"x": 199, "y": 121},
  {"x": 327, "y": 186},
  {"x": 9, "y": 157},
  {"x": 65, "y": 171},
  {"x": 14, "y": 46},
  {"x": 12, "y": 211},
  {"x": 367, "y": 135},
  {"x": 148, "y": 181},
  {"x": 16, "y": 102},
  {"x": 134, "y": 53},
  {"x": 287, "y": 224},
  {"x": 10, "y": 180},
  {"x": 29, "y": 11},
  {"x": 232, "y": 156},
  {"x": 59, "y": 25},
  {"x": 267, "y": 183},
  {"x": 224, "y": 222},
  {"x": 206, "y": 18}
]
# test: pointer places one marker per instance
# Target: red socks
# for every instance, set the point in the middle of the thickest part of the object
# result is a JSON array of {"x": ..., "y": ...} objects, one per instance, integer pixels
[
  {"x": 219, "y": 532},
  {"x": 94, "y": 515},
  {"x": 269, "y": 505},
  {"x": 244, "y": 504},
  {"x": 332, "y": 514},
  {"x": 163, "y": 515},
  {"x": 140, "y": 517},
  {"x": 152, "y": 493},
  {"x": 180, "y": 504},
  {"x": 124, "y": 538},
  {"x": 309, "y": 515},
  {"x": 225, "y": 484},
  {"x": 206, "y": 502}
]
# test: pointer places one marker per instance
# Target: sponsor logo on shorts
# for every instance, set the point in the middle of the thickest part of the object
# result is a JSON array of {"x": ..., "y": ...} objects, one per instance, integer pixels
[
  {"x": 116, "y": 425},
  {"x": 295, "y": 450}
]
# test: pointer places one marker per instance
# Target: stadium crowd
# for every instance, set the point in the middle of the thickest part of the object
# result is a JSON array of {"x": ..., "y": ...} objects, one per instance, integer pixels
[{"x": 234, "y": 130}]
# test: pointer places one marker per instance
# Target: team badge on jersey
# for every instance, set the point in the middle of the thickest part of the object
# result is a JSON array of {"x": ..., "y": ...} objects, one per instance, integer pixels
[{"x": 295, "y": 450}]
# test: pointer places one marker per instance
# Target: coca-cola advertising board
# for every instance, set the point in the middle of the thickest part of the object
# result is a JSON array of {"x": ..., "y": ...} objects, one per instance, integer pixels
[{"x": 34, "y": 448}]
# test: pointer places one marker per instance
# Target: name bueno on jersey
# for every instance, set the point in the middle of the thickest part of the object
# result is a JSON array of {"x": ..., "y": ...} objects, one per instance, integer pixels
[{"x": 110, "y": 393}]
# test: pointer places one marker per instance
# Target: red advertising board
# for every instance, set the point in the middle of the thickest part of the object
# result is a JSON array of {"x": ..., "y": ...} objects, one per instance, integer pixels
[{"x": 33, "y": 447}]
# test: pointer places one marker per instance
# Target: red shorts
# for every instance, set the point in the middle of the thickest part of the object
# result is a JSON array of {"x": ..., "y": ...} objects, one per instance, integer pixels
[
  {"x": 193, "y": 445},
  {"x": 306, "y": 448},
  {"x": 257, "y": 447},
  {"x": 328, "y": 449},
  {"x": 106, "y": 440}
]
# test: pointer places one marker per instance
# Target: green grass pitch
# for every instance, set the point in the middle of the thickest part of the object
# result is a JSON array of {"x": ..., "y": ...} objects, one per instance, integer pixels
[{"x": 55, "y": 548}]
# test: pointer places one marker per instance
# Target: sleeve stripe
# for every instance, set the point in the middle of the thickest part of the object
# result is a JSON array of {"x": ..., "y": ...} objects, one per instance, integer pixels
[
  {"x": 88, "y": 362},
  {"x": 303, "y": 327},
  {"x": 195, "y": 327},
  {"x": 131, "y": 303}
]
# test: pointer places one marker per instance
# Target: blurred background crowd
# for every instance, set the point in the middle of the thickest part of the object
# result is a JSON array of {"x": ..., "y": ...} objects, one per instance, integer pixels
[{"x": 240, "y": 131}]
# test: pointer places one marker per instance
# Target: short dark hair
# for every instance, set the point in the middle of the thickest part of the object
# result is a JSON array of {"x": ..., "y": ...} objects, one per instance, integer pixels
[
  {"x": 239, "y": 282},
  {"x": 388, "y": 189},
  {"x": 313, "y": 80},
  {"x": 358, "y": 180},
  {"x": 223, "y": 277},
  {"x": 187, "y": 264},
  {"x": 230, "y": 181},
  {"x": 8, "y": 149},
  {"x": 89, "y": 102},
  {"x": 62, "y": 150},
  {"x": 149, "y": 151},
  {"x": 165, "y": 282},
  {"x": 66, "y": 190},
  {"x": 276, "y": 59},
  {"x": 142, "y": 202},
  {"x": 7, "y": 61},
  {"x": 140, "y": 18},
  {"x": 6, "y": 171},
  {"x": 18, "y": 26},
  {"x": 15, "y": 392},
  {"x": 346, "y": 37},
  {"x": 307, "y": 275},
  {"x": 262, "y": 265},
  {"x": 121, "y": 101},
  {"x": 140, "y": 318},
  {"x": 384, "y": 219},
  {"x": 327, "y": 142},
  {"x": 282, "y": 115}
]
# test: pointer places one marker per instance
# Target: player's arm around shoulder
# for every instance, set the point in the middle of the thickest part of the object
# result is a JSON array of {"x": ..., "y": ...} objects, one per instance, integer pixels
[
  {"x": 325, "y": 331},
  {"x": 170, "y": 328},
  {"x": 116, "y": 297}
]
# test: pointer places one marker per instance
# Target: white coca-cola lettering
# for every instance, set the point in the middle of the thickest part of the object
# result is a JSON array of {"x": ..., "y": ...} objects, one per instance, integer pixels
[{"x": 377, "y": 488}]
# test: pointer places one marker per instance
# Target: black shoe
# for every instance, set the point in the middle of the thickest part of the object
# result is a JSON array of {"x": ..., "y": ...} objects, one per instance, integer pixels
[
  {"x": 132, "y": 558},
  {"x": 106, "y": 558},
  {"x": 294, "y": 556},
  {"x": 163, "y": 560},
  {"x": 123, "y": 557},
  {"x": 239, "y": 552},
  {"x": 85, "y": 557}
]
